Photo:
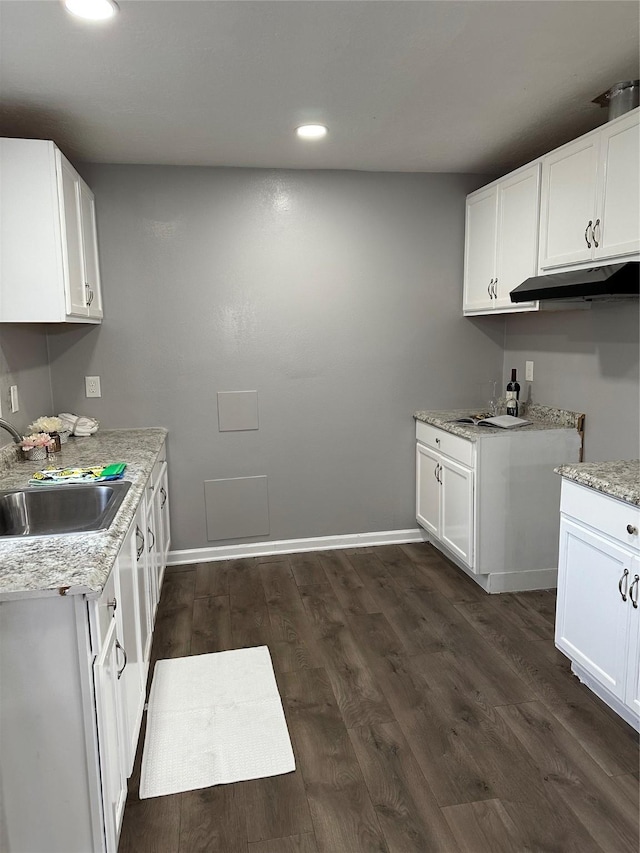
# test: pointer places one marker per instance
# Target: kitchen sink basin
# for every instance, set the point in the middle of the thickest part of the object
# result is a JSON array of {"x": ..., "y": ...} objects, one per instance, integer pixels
[{"x": 57, "y": 510}]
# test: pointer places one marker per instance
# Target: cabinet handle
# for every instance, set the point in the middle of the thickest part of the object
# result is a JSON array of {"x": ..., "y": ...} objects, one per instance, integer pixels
[
  {"x": 634, "y": 601},
  {"x": 586, "y": 231},
  {"x": 625, "y": 578},
  {"x": 140, "y": 537},
  {"x": 435, "y": 472},
  {"x": 112, "y": 605},
  {"x": 489, "y": 286},
  {"x": 495, "y": 289},
  {"x": 121, "y": 648},
  {"x": 163, "y": 491},
  {"x": 597, "y": 225},
  {"x": 153, "y": 538},
  {"x": 631, "y": 530}
]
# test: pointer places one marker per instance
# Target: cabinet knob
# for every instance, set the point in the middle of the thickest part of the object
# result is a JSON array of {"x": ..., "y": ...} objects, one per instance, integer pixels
[
  {"x": 631, "y": 530},
  {"x": 112, "y": 605},
  {"x": 437, "y": 441}
]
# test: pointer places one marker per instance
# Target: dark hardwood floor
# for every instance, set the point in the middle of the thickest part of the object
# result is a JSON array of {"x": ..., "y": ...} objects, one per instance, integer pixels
[{"x": 424, "y": 714}]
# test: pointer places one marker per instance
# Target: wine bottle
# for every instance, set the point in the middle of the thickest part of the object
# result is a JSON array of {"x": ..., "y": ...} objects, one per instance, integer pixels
[{"x": 513, "y": 394}]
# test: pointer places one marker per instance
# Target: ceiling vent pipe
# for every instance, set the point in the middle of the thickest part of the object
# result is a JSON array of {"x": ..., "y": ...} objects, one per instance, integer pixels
[{"x": 620, "y": 98}]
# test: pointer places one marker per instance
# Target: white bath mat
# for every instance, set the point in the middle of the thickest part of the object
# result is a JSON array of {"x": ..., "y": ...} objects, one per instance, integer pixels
[{"x": 214, "y": 719}]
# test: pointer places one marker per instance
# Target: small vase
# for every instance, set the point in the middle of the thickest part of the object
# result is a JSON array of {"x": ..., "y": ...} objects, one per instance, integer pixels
[
  {"x": 35, "y": 454},
  {"x": 56, "y": 443},
  {"x": 64, "y": 436}
]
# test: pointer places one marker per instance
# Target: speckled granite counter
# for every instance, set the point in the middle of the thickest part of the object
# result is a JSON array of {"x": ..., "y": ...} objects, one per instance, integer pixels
[
  {"x": 619, "y": 479},
  {"x": 79, "y": 562},
  {"x": 542, "y": 417}
]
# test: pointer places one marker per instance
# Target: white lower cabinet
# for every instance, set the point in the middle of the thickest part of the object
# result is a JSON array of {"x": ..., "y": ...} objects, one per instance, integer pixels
[
  {"x": 491, "y": 504},
  {"x": 445, "y": 501},
  {"x": 598, "y": 612},
  {"x": 73, "y": 671},
  {"x": 110, "y": 716}
]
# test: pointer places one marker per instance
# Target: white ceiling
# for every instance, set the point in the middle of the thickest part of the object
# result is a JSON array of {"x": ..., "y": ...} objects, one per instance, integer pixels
[{"x": 403, "y": 86}]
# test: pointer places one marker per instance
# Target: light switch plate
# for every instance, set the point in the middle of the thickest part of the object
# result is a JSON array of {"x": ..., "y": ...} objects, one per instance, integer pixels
[
  {"x": 15, "y": 402},
  {"x": 92, "y": 386},
  {"x": 528, "y": 371}
]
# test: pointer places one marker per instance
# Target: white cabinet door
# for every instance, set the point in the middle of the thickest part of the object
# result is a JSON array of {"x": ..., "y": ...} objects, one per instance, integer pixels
[
  {"x": 480, "y": 250},
  {"x": 427, "y": 489},
  {"x": 132, "y": 633},
  {"x": 617, "y": 226},
  {"x": 593, "y": 609},
  {"x": 109, "y": 718},
  {"x": 152, "y": 557},
  {"x": 456, "y": 509},
  {"x": 517, "y": 235},
  {"x": 163, "y": 529},
  {"x": 633, "y": 659},
  {"x": 143, "y": 581},
  {"x": 71, "y": 221},
  {"x": 567, "y": 213},
  {"x": 90, "y": 252}
]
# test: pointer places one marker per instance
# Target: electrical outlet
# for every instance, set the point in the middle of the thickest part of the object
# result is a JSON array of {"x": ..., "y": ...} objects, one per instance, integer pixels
[
  {"x": 528, "y": 371},
  {"x": 92, "y": 386},
  {"x": 15, "y": 402}
]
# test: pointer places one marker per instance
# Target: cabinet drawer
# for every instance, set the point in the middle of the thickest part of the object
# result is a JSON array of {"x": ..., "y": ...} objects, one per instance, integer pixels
[
  {"x": 601, "y": 512},
  {"x": 452, "y": 446}
]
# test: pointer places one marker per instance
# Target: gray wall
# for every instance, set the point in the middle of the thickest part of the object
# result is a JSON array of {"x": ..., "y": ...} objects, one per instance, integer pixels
[
  {"x": 336, "y": 295},
  {"x": 24, "y": 362},
  {"x": 585, "y": 361}
]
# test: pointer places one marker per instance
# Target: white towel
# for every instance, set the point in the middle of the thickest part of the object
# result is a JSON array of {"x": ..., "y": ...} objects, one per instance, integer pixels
[{"x": 78, "y": 424}]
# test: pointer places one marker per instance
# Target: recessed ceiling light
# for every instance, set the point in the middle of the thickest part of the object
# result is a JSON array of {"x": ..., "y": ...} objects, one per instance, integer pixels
[
  {"x": 92, "y": 10},
  {"x": 311, "y": 131}
]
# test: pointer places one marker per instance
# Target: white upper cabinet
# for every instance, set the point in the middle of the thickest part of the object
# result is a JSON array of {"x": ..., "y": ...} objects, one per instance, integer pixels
[
  {"x": 50, "y": 270},
  {"x": 618, "y": 204},
  {"x": 501, "y": 242},
  {"x": 590, "y": 209}
]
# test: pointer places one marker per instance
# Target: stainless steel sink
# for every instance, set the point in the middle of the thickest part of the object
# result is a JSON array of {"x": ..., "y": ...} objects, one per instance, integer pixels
[{"x": 52, "y": 510}]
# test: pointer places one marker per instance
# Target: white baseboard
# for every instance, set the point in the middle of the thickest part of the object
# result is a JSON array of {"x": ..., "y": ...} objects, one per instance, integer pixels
[
  {"x": 522, "y": 581},
  {"x": 496, "y": 582},
  {"x": 295, "y": 546}
]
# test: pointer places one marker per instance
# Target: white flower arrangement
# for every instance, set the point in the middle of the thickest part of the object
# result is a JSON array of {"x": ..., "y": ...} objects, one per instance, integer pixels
[
  {"x": 38, "y": 439},
  {"x": 47, "y": 424}
]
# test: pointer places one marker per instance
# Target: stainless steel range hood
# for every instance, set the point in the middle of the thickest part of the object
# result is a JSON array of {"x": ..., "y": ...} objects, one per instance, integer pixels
[{"x": 609, "y": 282}]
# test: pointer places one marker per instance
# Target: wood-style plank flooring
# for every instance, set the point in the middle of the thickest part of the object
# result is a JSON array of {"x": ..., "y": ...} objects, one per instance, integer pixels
[{"x": 424, "y": 714}]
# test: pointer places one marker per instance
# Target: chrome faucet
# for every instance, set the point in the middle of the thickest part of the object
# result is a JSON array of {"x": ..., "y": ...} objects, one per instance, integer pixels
[{"x": 11, "y": 430}]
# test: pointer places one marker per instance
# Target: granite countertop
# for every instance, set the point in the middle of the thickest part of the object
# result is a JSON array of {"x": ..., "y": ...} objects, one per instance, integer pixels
[
  {"x": 620, "y": 479},
  {"x": 78, "y": 563},
  {"x": 542, "y": 417}
]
